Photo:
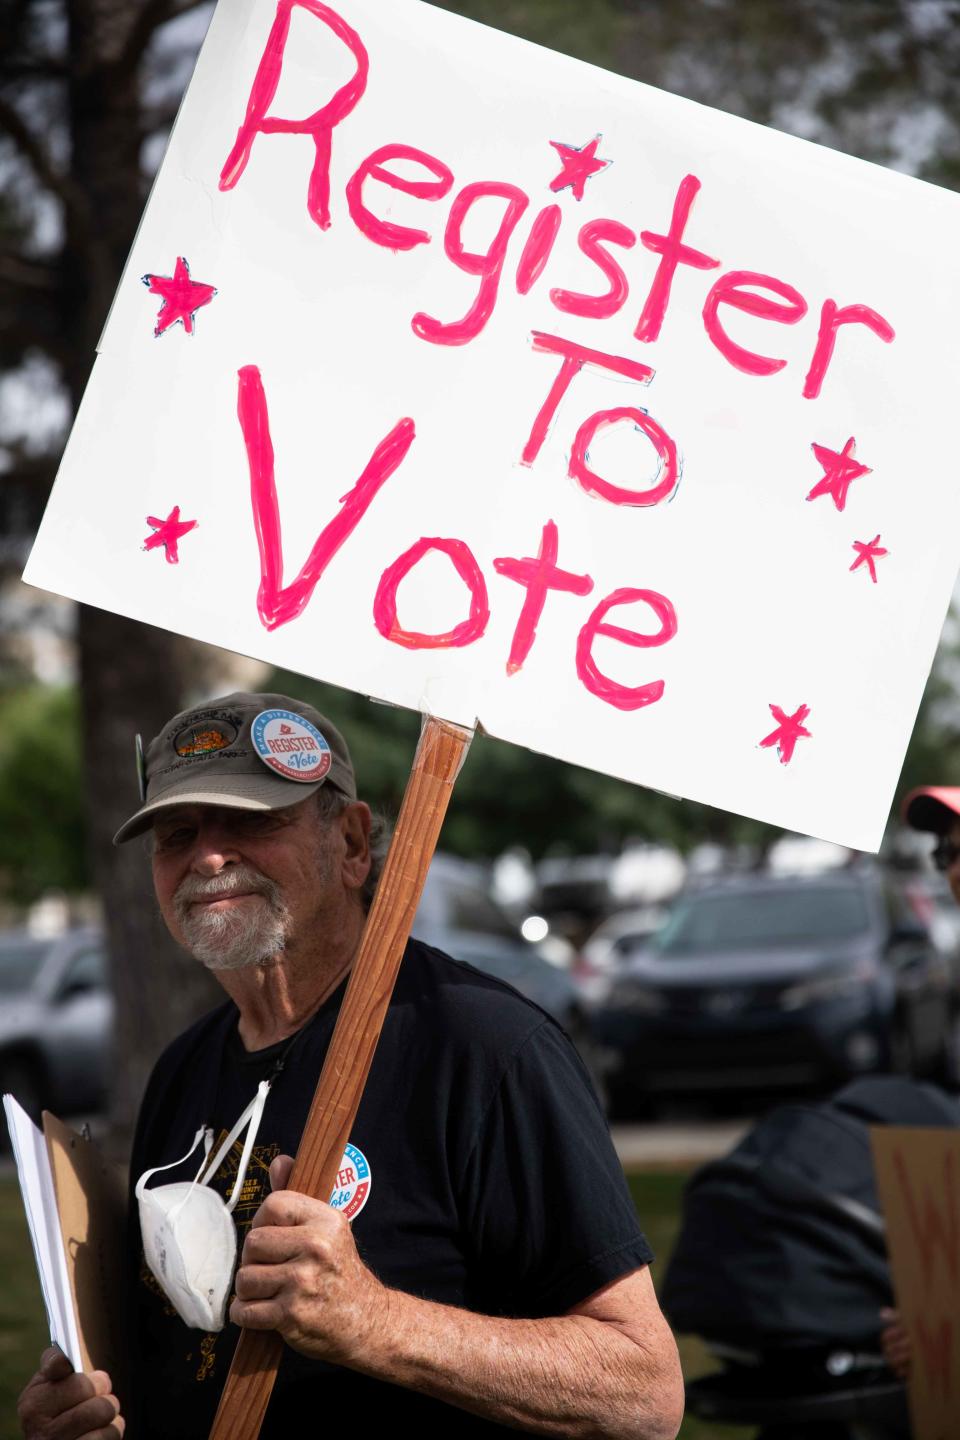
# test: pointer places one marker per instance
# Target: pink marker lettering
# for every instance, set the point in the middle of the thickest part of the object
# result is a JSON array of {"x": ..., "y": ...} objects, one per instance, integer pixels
[
  {"x": 278, "y": 604},
  {"x": 728, "y": 291},
  {"x": 320, "y": 125},
  {"x": 487, "y": 264},
  {"x": 932, "y": 1217},
  {"x": 539, "y": 247},
  {"x": 539, "y": 576},
  {"x": 624, "y": 697},
  {"x": 574, "y": 358},
  {"x": 383, "y": 232},
  {"x": 668, "y": 466},
  {"x": 832, "y": 317},
  {"x": 673, "y": 253},
  {"x": 599, "y": 307},
  {"x": 385, "y": 601}
]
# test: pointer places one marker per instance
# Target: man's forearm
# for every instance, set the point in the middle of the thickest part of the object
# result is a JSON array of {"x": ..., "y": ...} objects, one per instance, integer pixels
[
  {"x": 567, "y": 1375},
  {"x": 608, "y": 1368}
]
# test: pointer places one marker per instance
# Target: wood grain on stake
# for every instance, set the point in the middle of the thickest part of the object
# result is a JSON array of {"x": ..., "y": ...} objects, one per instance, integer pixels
[{"x": 440, "y": 754}]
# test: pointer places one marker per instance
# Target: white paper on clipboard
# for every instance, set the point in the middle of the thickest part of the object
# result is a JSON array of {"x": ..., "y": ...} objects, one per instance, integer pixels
[{"x": 40, "y": 1203}]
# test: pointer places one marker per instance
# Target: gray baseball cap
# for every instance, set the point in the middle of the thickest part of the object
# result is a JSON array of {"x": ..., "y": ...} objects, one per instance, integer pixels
[{"x": 243, "y": 752}]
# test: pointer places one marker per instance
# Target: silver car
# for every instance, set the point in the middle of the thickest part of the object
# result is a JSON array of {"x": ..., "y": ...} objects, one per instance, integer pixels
[{"x": 56, "y": 1020}]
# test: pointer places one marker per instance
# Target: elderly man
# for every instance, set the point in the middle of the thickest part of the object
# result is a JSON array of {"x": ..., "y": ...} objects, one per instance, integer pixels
[{"x": 479, "y": 1266}]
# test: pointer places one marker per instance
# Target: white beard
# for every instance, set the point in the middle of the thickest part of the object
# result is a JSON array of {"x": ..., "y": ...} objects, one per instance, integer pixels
[{"x": 250, "y": 933}]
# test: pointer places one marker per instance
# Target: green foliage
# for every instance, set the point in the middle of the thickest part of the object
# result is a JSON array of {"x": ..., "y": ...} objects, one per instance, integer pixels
[
  {"x": 42, "y": 842},
  {"x": 506, "y": 795}
]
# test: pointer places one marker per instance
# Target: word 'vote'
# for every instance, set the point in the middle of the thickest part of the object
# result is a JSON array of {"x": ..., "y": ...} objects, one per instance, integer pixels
[{"x": 278, "y": 604}]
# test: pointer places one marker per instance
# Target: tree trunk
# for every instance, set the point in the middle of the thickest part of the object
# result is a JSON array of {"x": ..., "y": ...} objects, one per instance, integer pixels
[
  {"x": 130, "y": 683},
  {"x": 130, "y": 673}
]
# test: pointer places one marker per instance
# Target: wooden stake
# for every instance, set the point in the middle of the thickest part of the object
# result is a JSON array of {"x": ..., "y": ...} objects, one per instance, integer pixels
[{"x": 440, "y": 754}]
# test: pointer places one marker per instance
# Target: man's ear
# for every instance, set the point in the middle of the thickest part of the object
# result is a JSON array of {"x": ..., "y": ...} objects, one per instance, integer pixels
[{"x": 354, "y": 823}]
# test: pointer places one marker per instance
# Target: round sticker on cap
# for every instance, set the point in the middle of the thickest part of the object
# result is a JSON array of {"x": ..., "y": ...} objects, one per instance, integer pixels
[{"x": 291, "y": 746}]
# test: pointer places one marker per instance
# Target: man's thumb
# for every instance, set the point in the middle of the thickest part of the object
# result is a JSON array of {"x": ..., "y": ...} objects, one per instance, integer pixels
[{"x": 280, "y": 1172}]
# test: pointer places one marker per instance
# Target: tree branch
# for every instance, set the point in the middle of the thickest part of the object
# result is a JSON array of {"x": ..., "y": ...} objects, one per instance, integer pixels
[
  {"x": 157, "y": 117},
  {"x": 39, "y": 67},
  {"x": 29, "y": 274},
  {"x": 27, "y": 145},
  {"x": 149, "y": 20}
]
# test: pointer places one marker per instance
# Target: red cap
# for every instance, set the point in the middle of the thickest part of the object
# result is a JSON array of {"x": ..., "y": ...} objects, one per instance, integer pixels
[{"x": 934, "y": 807}]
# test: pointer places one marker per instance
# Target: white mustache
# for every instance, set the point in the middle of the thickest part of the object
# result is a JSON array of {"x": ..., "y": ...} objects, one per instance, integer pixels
[
  {"x": 243, "y": 935},
  {"x": 230, "y": 882}
]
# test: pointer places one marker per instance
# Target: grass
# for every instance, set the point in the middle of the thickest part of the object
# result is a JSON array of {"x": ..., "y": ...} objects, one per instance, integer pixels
[
  {"x": 23, "y": 1326},
  {"x": 23, "y": 1331}
]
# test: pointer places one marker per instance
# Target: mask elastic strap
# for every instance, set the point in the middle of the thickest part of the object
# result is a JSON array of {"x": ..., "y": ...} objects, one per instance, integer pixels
[
  {"x": 263, "y": 1090},
  {"x": 251, "y": 1117},
  {"x": 202, "y": 1134}
]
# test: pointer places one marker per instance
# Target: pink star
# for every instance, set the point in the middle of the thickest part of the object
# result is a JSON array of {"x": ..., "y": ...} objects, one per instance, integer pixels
[
  {"x": 838, "y": 471},
  {"x": 167, "y": 533},
  {"x": 789, "y": 730},
  {"x": 867, "y": 552},
  {"x": 182, "y": 297},
  {"x": 579, "y": 163}
]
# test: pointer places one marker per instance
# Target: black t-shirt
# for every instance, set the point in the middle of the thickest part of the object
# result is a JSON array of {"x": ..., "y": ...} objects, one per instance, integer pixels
[{"x": 491, "y": 1183}]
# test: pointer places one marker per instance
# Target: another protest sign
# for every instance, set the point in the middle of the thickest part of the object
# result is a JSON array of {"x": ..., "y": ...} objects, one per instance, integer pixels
[{"x": 918, "y": 1178}]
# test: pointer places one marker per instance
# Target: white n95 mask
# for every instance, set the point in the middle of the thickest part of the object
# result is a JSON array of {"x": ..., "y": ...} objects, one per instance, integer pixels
[{"x": 189, "y": 1238}]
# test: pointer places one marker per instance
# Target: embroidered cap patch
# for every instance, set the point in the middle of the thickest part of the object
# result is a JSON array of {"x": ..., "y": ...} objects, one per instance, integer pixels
[
  {"x": 291, "y": 746},
  {"x": 204, "y": 738}
]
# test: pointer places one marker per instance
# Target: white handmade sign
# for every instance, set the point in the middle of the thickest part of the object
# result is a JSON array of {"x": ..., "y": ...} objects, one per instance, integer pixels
[{"x": 482, "y": 381}]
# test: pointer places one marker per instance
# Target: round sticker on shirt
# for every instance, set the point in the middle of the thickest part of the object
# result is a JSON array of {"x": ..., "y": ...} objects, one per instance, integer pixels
[
  {"x": 352, "y": 1188},
  {"x": 290, "y": 745}
]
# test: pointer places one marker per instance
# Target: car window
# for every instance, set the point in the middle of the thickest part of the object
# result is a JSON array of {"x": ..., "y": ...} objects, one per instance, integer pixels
[
  {"x": 87, "y": 970},
  {"x": 472, "y": 909},
  {"x": 634, "y": 940},
  {"x": 19, "y": 964},
  {"x": 754, "y": 919}
]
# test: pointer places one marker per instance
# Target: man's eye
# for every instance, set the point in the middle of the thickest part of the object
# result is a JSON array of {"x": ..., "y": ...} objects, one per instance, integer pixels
[
  {"x": 174, "y": 839},
  {"x": 258, "y": 822}
]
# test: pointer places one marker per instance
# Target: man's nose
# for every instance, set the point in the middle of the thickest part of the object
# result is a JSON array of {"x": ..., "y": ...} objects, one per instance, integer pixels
[{"x": 214, "y": 848}]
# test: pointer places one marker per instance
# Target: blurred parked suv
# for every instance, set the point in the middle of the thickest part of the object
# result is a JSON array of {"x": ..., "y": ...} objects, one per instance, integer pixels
[
  {"x": 458, "y": 915},
  {"x": 767, "y": 982},
  {"x": 56, "y": 1020}
]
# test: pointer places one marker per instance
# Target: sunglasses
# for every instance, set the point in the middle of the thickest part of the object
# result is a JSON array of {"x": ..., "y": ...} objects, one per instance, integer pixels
[{"x": 945, "y": 853}]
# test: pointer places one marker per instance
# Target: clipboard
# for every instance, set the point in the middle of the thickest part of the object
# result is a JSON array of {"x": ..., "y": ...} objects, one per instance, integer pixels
[
  {"x": 92, "y": 1210},
  {"x": 75, "y": 1205}
]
